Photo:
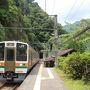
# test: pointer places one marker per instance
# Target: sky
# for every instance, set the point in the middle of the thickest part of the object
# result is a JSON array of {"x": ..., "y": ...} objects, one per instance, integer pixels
[{"x": 66, "y": 10}]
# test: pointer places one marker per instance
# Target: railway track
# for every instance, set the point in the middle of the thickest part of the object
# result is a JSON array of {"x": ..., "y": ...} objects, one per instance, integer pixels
[{"x": 9, "y": 86}]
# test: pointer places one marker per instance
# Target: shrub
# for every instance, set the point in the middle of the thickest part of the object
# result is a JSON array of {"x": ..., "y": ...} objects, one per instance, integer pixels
[
  {"x": 76, "y": 65},
  {"x": 85, "y": 57}
]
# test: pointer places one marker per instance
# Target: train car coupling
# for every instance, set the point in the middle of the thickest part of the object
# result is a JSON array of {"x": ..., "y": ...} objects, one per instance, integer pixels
[{"x": 10, "y": 75}]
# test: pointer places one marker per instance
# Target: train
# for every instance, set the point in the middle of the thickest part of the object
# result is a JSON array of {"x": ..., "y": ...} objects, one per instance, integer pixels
[{"x": 16, "y": 59}]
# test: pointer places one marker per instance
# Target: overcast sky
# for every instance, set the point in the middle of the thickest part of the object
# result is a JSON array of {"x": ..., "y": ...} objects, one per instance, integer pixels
[{"x": 67, "y": 10}]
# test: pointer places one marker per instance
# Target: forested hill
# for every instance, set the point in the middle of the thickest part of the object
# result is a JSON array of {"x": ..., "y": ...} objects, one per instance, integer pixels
[{"x": 18, "y": 15}]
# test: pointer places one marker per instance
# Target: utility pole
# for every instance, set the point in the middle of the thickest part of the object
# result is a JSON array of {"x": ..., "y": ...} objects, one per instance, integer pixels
[
  {"x": 55, "y": 27},
  {"x": 56, "y": 37},
  {"x": 55, "y": 42},
  {"x": 45, "y": 5}
]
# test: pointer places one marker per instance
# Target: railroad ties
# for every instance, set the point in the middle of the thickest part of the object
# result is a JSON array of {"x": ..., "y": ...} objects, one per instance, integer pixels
[{"x": 9, "y": 86}]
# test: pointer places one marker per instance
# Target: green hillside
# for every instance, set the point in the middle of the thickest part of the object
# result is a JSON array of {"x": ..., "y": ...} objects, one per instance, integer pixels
[{"x": 24, "y": 20}]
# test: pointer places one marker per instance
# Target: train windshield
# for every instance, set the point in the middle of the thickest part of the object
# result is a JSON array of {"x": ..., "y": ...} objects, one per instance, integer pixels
[
  {"x": 2, "y": 51},
  {"x": 10, "y": 54},
  {"x": 21, "y": 53}
]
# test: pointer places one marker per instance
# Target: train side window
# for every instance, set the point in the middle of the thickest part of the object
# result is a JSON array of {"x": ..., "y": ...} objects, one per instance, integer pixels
[
  {"x": 1, "y": 54},
  {"x": 1, "y": 51}
]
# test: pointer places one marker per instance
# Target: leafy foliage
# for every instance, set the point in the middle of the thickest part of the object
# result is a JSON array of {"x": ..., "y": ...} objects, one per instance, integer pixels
[
  {"x": 27, "y": 14},
  {"x": 76, "y": 65},
  {"x": 2, "y": 32},
  {"x": 80, "y": 42}
]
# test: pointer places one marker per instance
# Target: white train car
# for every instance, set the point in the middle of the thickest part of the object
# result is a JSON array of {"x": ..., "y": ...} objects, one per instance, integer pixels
[{"x": 16, "y": 59}]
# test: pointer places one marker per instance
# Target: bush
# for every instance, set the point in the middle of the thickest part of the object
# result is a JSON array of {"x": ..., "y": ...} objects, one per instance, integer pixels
[
  {"x": 85, "y": 57},
  {"x": 76, "y": 65}
]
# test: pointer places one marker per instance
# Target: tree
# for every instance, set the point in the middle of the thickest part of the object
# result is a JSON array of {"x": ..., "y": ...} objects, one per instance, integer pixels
[
  {"x": 26, "y": 14},
  {"x": 2, "y": 33}
]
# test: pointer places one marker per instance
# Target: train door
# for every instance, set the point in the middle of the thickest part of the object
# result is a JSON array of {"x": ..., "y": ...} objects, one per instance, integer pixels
[{"x": 10, "y": 59}]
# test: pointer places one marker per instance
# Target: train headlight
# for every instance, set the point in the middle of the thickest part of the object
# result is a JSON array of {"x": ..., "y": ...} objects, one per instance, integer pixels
[
  {"x": 21, "y": 64},
  {"x": 1, "y": 64}
]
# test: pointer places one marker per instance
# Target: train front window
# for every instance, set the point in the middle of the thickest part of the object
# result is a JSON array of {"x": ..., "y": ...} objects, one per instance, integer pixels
[
  {"x": 1, "y": 51},
  {"x": 21, "y": 53},
  {"x": 10, "y": 54}
]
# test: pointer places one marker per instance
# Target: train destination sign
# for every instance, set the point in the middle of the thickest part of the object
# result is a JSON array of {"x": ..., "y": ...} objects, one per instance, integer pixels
[{"x": 10, "y": 44}]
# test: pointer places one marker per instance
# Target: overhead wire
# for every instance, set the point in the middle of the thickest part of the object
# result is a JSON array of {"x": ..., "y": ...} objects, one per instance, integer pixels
[
  {"x": 80, "y": 5},
  {"x": 77, "y": 34},
  {"x": 71, "y": 9},
  {"x": 81, "y": 32},
  {"x": 31, "y": 29}
]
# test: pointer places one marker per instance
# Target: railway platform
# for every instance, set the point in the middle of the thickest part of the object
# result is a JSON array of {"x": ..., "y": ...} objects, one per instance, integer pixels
[{"x": 42, "y": 78}]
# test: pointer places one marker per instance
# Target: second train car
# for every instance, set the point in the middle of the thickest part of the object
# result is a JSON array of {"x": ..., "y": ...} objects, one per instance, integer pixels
[{"x": 16, "y": 58}]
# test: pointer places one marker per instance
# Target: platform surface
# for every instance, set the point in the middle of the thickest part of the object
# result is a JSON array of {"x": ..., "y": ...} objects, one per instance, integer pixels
[{"x": 42, "y": 78}]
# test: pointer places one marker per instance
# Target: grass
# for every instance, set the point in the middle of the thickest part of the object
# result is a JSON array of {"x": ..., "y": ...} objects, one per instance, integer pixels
[{"x": 72, "y": 84}]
